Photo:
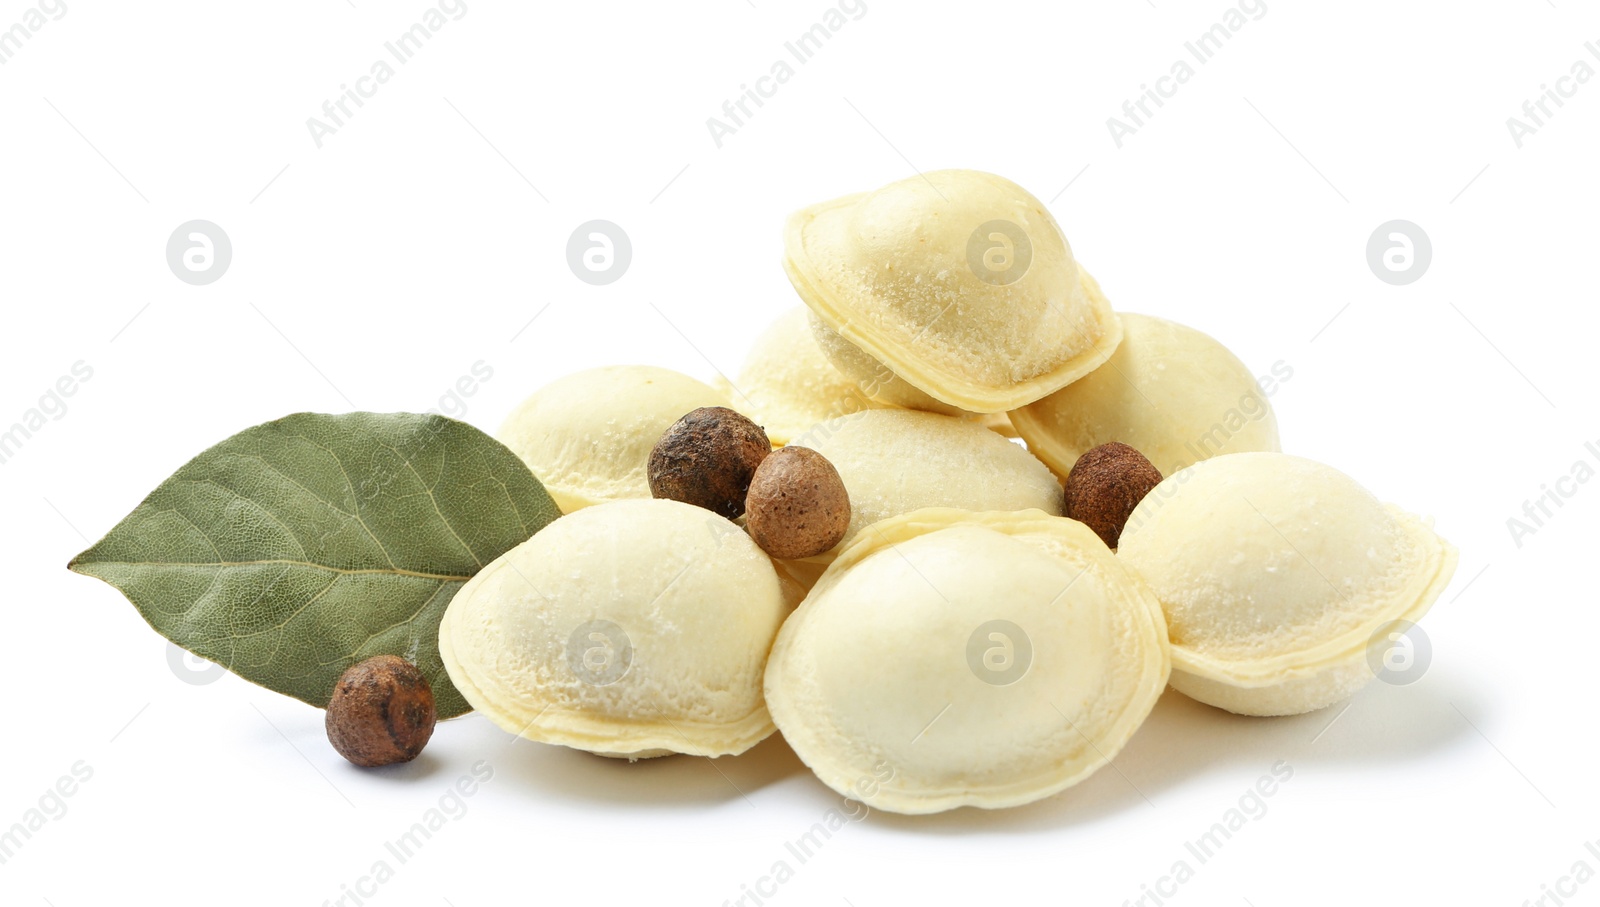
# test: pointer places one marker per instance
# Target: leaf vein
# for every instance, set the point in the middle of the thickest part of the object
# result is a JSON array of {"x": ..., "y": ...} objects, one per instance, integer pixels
[
  {"x": 376, "y": 633},
  {"x": 442, "y": 518},
  {"x": 387, "y": 571},
  {"x": 355, "y": 495}
]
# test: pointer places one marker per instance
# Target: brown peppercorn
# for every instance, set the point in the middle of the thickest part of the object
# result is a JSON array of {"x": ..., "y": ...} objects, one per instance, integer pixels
[
  {"x": 381, "y": 712},
  {"x": 798, "y": 505},
  {"x": 1105, "y": 485},
  {"x": 707, "y": 459}
]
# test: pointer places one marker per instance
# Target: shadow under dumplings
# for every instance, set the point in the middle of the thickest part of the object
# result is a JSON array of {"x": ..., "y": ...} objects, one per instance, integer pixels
[
  {"x": 663, "y": 781},
  {"x": 1184, "y": 739}
]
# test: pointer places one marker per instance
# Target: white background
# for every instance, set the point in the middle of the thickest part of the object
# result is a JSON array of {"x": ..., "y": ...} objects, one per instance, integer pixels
[{"x": 374, "y": 271}]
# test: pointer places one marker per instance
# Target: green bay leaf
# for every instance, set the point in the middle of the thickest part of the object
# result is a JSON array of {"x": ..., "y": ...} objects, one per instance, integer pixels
[{"x": 297, "y": 548}]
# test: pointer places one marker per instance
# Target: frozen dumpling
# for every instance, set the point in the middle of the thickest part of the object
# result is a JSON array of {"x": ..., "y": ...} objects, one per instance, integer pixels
[
  {"x": 959, "y": 281},
  {"x": 866, "y": 372},
  {"x": 1276, "y": 574},
  {"x": 1169, "y": 391},
  {"x": 588, "y": 436},
  {"x": 894, "y": 461},
  {"x": 950, "y": 658},
  {"x": 631, "y": 628},
  {"x": 787, "y": 385}
]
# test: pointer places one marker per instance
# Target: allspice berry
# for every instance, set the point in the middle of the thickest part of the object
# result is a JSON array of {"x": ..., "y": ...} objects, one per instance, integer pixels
[
  {"x": 798, "y": 505},
  {"x": 1104, "y": 486},
  {"x": 381, "y": 712},
  {"x": 707, "y": 459}
]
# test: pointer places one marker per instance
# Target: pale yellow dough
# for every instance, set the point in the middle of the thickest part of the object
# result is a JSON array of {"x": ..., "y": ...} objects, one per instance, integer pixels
[
  {"x": 1169, "y": 391},
  {"x": 891, "y": 271},
  {"x": 1275, "y": 573},
  {"x": 588, "y": 436},
  {"x": 866, "y": 372},
  {"x": 788, "y": 385},
  {"x": 697, "y": 605},
  {"x": 893, "y": 685},
  {"x": 894, "y": 461}
]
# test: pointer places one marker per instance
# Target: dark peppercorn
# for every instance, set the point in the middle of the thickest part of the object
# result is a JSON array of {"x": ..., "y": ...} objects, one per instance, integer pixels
[
  {"x": 707, "y": 459},
  {"x": 381, "y": 712},
  {"x": 1105, "y": 485}
]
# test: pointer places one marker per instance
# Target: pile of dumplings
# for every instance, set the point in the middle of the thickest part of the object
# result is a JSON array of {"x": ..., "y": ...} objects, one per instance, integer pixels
[{"x": 965, "y": 644}]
